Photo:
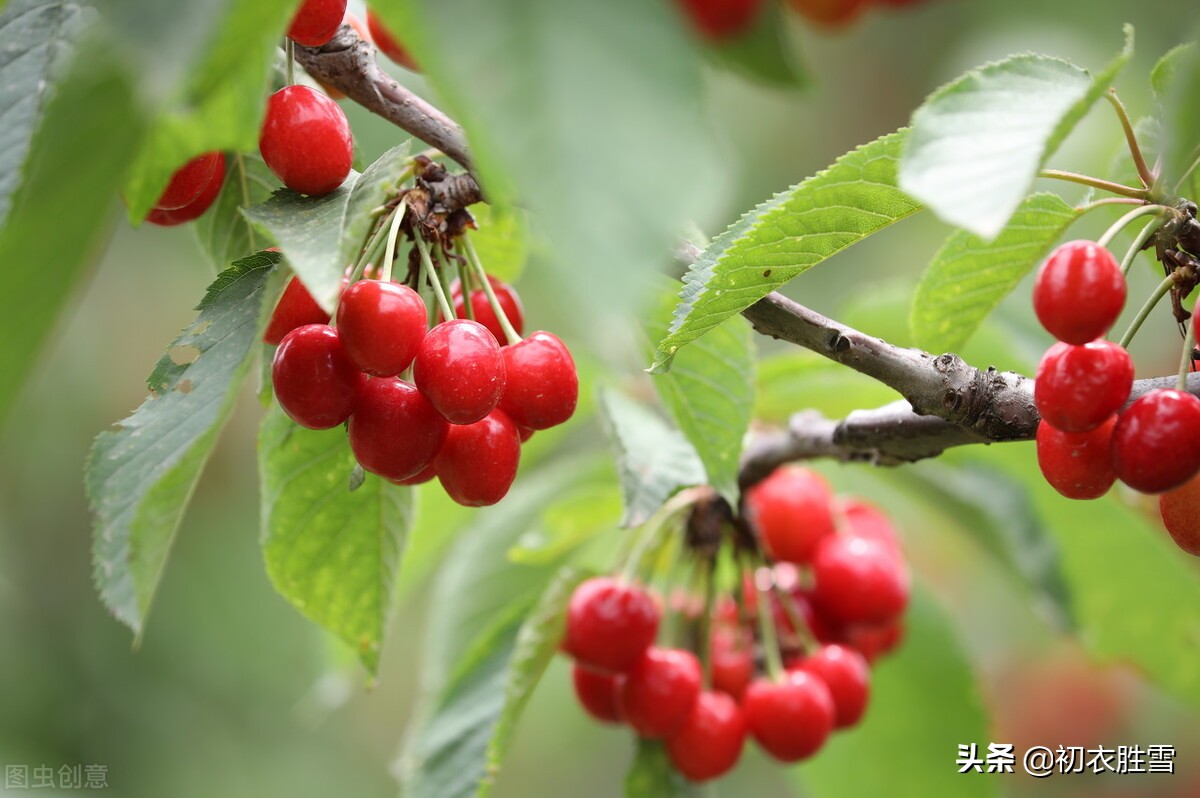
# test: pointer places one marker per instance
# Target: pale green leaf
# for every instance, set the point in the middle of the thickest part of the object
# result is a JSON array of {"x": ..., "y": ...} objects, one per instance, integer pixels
[
  {"x": 802, "y": 380},
  {"x": 1177, "y": 82},
  {"x": 653, "y": 459},
  {"x": 223, "y": 233},
  {"x": 1165, "y": 71},
  {"x": 651, "y": 775},
  {"x": 141, "y": 475},
  {"x": 788, "y": 235},
  {"x": 569, "y": 523},
  {"x": 502, "y": 240},
  {"x": 970, "y": 275},
  {"x": 334, "y": 553},
  {"x": 977, "y": 143},
  {"x": 377, "y": 182}
]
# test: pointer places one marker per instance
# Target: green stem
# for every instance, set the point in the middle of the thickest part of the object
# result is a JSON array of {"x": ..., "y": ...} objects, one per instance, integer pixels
[
  {"x": 1104, "y": 202},
  {"x": 1142, "y": 315},
  {"x": 289, "y": 47},
  {"x": 389, "y": 254},
  {"x": 1095, "y": 182},
  {"x": 649, "y": 530},
  {"x": 374, "y": 240},
  {"x": 1185, "y": 360},
  {"x": 705, "y": 631},
  {"x": 1144, "y": 173},
  {"x": 1187, "y": 172},
  {"x": 1140, "y": 241},
  {"x": 473, "y": 258},
  {"x": 766, "y": 626},
  {"x": 430, "y": 274},
  {"x": 1127, "y": 219},
  {"x": 788, "y": 601}
]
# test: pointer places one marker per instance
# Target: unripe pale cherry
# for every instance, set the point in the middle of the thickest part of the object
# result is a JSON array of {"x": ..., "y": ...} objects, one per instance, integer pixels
[
  {"x": 1180, "y": 511},
  {"x": 460, "y": 370},
  {"x": 382, "y": 325},
  {"x": 1079, "y": 292},
  {"x": 710, "y": 741},
  {"x": 1079, "y": 387},
  {"x": 394, "y": 431},
  {"x": 189, "y": 181},
  {"x": 792, "y": 511},
  {"x": 543, "y": 386},
  {"x": 306, "y": 140},
  {"x": 478, "y": 462},
  {"x": 1077, "y": 464},
  {"x": 610, "y": 624},
  {"x": 790, "y": 719},
  {"x": 315, "y": 383},
  {"x": 1156, "y": 443},
  {"x": 196, "y": 208},
  {"x": 316, "y": 22},
  {"x": 656, "y": 695}
]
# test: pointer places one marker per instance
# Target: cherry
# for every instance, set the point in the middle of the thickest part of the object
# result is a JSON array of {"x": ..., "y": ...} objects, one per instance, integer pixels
[
  {"x": 859, "y": 580},
  {"x": 710, "y": 741},
  {"x": 845, "y": 672},
  {"x": 314, "y": 380},
  {"x": 792, "y": 718},
  {"x": 420, "y": 478},
  {"x": 721, "y": 19},
  {"x": 1079, "y": 292},
  {"x": 388, "y": 44},
  {"x": 394, "y": 431},
  {"x": 306, "y": 140},
  {"x": 1180, "y": 511},
  {"x": 1079, "y": 387},
  {"x": 478, "y": 462},
  {"x": 196, "y": 208},
  {"x": 1154, "y": 445},
  {"x": 189, "y": 181},
  {"x": 460, "y": 370},
  {"x": 873, "y": 641},
  {"x": 507, "y": 298},
  {"x": 657, "y": 693},
  {"x": 316, "y": 22},
  {"x": 731, "y": 661},
  {"x": 610, "y": 624},
  {"x": 295, "y": 308},
  {"x": 867, "y": 521},
  {"x": 597, "y": 693},
  {"x": 791, "y": 509},
  {"x": 382, "y": 325},
  {"x": 830, "y": 13},
  {"x": 1077, "y": 464},
  {"x": 543, "y": 386},
  {"x": 823, "y": 628}
]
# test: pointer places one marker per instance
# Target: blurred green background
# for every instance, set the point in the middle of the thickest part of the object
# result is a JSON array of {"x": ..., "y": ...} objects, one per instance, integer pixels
[{"x": 233, "y": 693}]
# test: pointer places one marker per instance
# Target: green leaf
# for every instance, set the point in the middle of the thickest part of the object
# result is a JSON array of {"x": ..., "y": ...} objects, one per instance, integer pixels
[
  {"x": 309, "y": 231},
  {"x": 651, "y": 775},
  {"x": 654, "y": 461},
  {"x": 802, "y": 380},
  {"x": 788, "y": 235},
  {"x": 212, "y": 90},
  {"x": 376, "y": 183},
  {"x": 970, "y": 275},
  {"x": 710, "y": 393},
  {"x": 141, "y": 475},
  {"x": 332, "y": 552},
  {"x": 1176, "y": 80},
  {"x": 569, "y": 523},
  {"x": 223, "y": 233},
  {"x": 1166, "y": 70},
  {"x": 502, "y": 240},
  {"x": 764, "y": 53},
  {"x": 923, "y": 705},
  {"x": 977, "y": 143}
]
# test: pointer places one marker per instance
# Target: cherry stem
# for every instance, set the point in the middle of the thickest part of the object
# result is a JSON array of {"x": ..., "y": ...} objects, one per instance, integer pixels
[
  {"x": 1105, "y": 201},
  {"x": 477, "y": 266},
  {"x": 1127, "y": 219},
  {"x": 1188, "y": 172},
  {"x": 371, "y": 243},
  {"x": 445, "y": 264},
  {"x": 704, "y": 633},
  {"x": 1095, "y": 182},
  {"x": 649, "y": 530},
  {"x": 792, "y": 610},
  {"x": 1144, "y": 173},
  {"x": 429, "y": 274},
  {"x": 766, "y": 625},
  {"x": 390, "y": 253},
  {"x": 289, "y": 47},
  {"x": 1185, "y": 360},
  {"x": 1138, "y": 243},
  {"x": 1165, "y": 286}
]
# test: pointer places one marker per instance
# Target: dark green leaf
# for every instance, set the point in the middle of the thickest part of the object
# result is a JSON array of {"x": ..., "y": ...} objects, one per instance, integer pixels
[
  {"x": 333, "y": 552},
  {"x": 652, "y": 776},
  {"x": 970, "y": 275},
  {"x": 223, "y": 232},
  {"x": 788, "y": 235},
  {"x": 923, "y": 705},
  {"x": 653, "y": 459},
  {"x": 764, "y": 53},
  {"x": 377, "y": 182},
  {"x": 141, "y": 475},
  {"x": 977, "y": 143},
  {"x": 309, "y": 231}
]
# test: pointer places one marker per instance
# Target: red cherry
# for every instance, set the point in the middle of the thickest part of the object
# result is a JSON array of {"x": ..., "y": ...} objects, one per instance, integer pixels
[
  {"x": 1156, "y": 443},
  {"x": 382, "y": 325},
  {"x": 791, "y": 509},
  {"x": 1079, "y": 292},
  {"x": 189, "y": 181},
  {"x": 610, "y": 624},
  {"x": 425, "y": 475},
  {"x": 543, "y": 386},
  {"x": 306, "y": 140},
  {"x": 845, "y": 672},
  {"x": 389, "y": 45},
  {"x": 868, "y": 521},
  {"x": 657, "y": 693},
  {"x": 316, "y": 22},
  {"x": 295, "y": 308},
  {"x": 1079, "y": 387},
  {"x": 1180, "y": 511},
  {"x": 790, "y": 719},
  {"x": 507, "y": 298},
  {"x": 823, "y": 628},
  {"x": 721, "y": 19},
  {"x": 874, "y": 641},
  {"x": 731, "y": 661},
  {"x": 314, "y": 381},
  {"x": 710, "y": 741},
  {"x": 196, "y": 208},
  {"x": 597, "y": 693},
  {"x": 460, "y": 370},
  {"x": 478, "y": 462},
  {"x": 394, "y": 431},
  {"x": 830, "y": 13},
  {"x": 1077, "y": 464},
  {"x": 859, "y": 580},
  {"x": 525, "y": 432}
]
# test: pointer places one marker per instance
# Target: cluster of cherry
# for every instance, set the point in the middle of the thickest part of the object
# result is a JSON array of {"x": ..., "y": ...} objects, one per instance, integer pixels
[
  {"x": 725, "y": 19},
  {"x": 834, "y": 600},
  {"x": 1089, "y": 438}
]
